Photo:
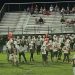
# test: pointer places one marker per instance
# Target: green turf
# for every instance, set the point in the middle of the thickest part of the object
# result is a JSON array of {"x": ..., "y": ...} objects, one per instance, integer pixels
[{"x": 36, "y": 68}]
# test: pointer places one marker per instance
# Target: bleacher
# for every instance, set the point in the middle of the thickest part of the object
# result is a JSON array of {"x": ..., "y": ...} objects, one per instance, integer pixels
[
  {"x": 24, "y": 23},
  {"x": 16, "y": 21},
  {"x": 9, "y": 22}
]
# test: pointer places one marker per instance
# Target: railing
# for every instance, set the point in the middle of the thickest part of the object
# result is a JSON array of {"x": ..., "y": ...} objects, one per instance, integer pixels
[
  {"x": 2, "y": 11},
  {"x": 36, "y": 30},
  {"x": 21, "y": 6},
  {"x": 11, "y": 7}
]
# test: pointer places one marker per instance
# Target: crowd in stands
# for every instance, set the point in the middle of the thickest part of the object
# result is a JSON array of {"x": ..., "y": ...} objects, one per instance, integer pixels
[
  {"x": 56, "y": 45},
  {"x": 34, "y": 9},
  {"x": 68, "y": 22}
]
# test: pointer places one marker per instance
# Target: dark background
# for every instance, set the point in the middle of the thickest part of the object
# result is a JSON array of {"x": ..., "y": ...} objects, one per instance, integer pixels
[{"x": 24, "y": 1}]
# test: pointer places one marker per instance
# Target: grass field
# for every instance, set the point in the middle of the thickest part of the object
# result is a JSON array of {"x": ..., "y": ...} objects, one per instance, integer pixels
[{"x": 36, "y": 68}]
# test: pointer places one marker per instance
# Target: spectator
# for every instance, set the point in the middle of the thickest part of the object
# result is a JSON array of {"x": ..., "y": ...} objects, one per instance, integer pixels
[
  {"x": 62, "y": 19},
  {"x": 67, "y": 10},
  {"x": 51, "y": 8},
  {"x": 62, "y": 11},
  {"x": 32, "y": 10},
  {"x": 41, "y": 10},
  {"x": 36, "y": 21},
  {"x": 44, "y": 10},
  {"x": 28, "y": 9},
  {"x": 69, "y": 22},
  {"x": 56, "y": 8},
  {"x": 41, "y": 21},
  {"x": 36, "y": 9},
  {"x": 73, "y": 10}
]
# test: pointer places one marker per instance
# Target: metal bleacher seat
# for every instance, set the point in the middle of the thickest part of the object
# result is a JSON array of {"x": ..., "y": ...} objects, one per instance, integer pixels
[{"x": 21, "y": 21}]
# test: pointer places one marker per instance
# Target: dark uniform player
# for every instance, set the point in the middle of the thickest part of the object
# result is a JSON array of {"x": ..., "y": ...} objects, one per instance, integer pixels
[
  {"x": 66, "y": 53},
  {"x": 22, "y": 53}
]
